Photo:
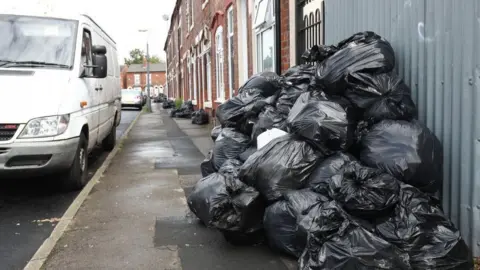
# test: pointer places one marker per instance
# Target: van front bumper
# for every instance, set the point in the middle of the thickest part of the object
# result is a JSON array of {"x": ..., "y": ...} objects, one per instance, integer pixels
[{"x": 29, "y": 159}]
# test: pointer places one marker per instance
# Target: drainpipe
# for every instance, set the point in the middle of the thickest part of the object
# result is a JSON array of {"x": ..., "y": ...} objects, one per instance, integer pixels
[{"x": 278, "y": 43}]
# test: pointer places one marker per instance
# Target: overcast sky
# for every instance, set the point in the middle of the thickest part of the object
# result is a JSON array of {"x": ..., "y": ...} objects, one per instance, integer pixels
[{"x": 120, "y": 19}]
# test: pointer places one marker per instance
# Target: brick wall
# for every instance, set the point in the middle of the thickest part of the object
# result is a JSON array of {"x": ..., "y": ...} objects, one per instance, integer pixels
[{"x": 284, "y": 34}]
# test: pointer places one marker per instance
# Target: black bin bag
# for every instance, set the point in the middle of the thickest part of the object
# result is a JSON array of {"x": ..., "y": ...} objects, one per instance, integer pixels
[
  {"x": 280, "y": 221},
  {"x": 381, "y": 96},
  {"x": 247, "y": 153},
  {"x": 419, "y": 227},
  {"x": 407, "y": 150},
  {"x": 236, "y": 108},
  {"x": 269, "y": 118},
  {"x": 327, "y": 169},
  {"x": 362, "y": 52},
  {"x": 200, "y": 117},
  {"x": 338, "y": 241},
  {"x": 325, "y": 123},
  {"x": 214, "y": 201},
  {"x": 206, "y": 167},
  {"x": 266, "y": 82},
  {"x": 283, "y": 164},
  {"x": 229, "y": 145},
  {"x": 215, "y": 132}
]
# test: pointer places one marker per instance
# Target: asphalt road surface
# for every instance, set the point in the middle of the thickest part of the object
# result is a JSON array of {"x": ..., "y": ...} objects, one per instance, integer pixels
[{"x": 30, "y": 209}]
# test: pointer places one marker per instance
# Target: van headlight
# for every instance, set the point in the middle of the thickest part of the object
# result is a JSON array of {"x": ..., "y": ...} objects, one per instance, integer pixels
[{"x": 45, "y": 127}]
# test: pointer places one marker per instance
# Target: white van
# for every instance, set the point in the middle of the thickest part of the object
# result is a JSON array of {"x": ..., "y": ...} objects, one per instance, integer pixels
[{"x": 69, "y": 102}]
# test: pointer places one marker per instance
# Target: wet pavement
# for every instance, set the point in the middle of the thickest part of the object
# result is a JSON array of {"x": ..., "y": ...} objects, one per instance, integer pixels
[
  {"x": 30, "y": 209},
  {"x": 136, "y": 217}
]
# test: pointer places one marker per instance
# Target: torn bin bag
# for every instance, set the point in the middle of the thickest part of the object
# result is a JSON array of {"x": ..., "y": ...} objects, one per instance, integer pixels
[
  {"x": 363, "y": 52},
  {"x": 212, "y": 203},
  {"x": 419, "y": 227},
  {"x": 283, "y": 164},
  {"x": 382, "y": 96},
  {"x": 230, "y": 170},
  {"x": 327, "y": 124},
  {"x": 280, "y": 221},
  {"x": 407, "y": 150},
  {"x": 229, "y": 145}
]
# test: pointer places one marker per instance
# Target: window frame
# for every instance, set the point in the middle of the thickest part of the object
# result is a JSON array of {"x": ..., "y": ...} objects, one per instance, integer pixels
[
  {"x": 219, "y": 65},
  {"x": 230, "y": 43},
  {"x": 135, "y": 77},
  {"x": 260, "y": 29}
]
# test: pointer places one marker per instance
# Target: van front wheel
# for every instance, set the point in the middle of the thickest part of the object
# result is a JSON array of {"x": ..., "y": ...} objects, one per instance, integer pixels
[{"x": 75, "y": 177}]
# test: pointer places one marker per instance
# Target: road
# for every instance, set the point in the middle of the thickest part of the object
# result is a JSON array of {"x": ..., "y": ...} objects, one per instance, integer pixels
[{"x": 29, "y": 209}]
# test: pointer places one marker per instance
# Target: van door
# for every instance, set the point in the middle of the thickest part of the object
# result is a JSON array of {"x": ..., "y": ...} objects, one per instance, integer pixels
[{"x": 91, "y": 112}]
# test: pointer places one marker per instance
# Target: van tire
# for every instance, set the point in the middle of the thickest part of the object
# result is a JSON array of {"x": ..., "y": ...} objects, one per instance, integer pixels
[
  {"x": 75, "y": 178},
  {"x": 109, "y": 142}
]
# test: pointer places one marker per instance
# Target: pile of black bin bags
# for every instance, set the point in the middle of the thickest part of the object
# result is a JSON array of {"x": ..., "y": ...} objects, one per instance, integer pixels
[{"x": 353, "y": 182}]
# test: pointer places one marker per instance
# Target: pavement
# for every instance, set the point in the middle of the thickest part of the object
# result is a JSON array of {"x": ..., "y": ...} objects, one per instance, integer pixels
[
  {"x": 31, "y": 208},
  {"x": 136, "y": 217}
]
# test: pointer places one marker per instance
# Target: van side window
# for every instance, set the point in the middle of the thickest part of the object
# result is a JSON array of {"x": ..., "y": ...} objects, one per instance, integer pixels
[{"x": 87, "y": 51}]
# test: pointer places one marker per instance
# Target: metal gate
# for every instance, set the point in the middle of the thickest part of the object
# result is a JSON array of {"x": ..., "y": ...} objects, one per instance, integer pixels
[{"x": 310, "y": 25}]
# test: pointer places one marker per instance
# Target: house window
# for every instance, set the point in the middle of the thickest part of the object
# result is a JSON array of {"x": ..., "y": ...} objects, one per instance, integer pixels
[
  {"x": 264, "y": 25},
  {"x": 149, "y": 81},
  {"x": 190, "y": 14},
  {"x": 208, "y": 67},
  {"x": 230, "y": 50},
  {"x": 136, "y": 78},
  {"x": 219, "y": 64},
  {"x": 194, "y": 65}
]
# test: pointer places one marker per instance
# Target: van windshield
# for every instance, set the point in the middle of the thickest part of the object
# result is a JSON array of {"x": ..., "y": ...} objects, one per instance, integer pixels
[{"x": 36, "y": 42}]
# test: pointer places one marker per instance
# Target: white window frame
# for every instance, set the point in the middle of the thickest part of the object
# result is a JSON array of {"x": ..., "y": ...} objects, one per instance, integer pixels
[
  {"x": 136, "y": 79},
  {"x": 230, "y": 33},
  {"x": 260, "y": 28},
  {"x": 204, "y": 4},
  {"x": 194, "y": 71},
  {"x": 219, "y": 64},
  {"x": 190, "y": 14}
]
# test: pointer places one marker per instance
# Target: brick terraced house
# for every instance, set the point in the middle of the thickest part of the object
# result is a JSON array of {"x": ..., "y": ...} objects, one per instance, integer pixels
[
  {"x": 135, "y": 75},
  {"x": 214, "y": 46}
]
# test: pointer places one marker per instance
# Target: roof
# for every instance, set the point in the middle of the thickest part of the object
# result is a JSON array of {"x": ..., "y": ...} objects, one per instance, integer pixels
[{"x": 137, "y": 68}]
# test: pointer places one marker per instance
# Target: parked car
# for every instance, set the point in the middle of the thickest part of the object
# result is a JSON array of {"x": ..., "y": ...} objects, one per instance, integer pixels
[
  {"x": 66, "y": 68},
  {"x": 132, "y": 98}
]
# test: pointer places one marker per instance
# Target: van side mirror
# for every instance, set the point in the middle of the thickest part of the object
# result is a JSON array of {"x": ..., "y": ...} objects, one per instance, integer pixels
[{"x": 99, "y": 60}]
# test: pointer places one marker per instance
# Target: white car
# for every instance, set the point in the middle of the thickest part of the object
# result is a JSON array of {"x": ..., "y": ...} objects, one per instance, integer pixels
[{"x": 68, "y": 69}]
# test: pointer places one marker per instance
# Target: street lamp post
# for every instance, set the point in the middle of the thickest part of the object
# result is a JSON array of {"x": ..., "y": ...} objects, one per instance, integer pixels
[{"x": 149, "y": 104}]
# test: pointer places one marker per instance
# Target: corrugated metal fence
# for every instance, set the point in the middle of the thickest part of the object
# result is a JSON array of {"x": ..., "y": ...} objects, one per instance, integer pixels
[{"x": 437, "y": 45}]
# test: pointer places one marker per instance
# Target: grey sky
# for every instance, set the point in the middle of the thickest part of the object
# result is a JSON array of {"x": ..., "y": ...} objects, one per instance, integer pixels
[{"x": 120, "y": 19}]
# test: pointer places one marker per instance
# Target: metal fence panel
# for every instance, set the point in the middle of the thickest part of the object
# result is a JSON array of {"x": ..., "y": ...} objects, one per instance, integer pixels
[{"x": 437, "y": 47}]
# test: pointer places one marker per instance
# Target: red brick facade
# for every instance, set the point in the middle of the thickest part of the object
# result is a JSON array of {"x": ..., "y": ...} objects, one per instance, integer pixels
[
  {"x": 208, "y": 16},
  {"x": 158, "y": 79}
]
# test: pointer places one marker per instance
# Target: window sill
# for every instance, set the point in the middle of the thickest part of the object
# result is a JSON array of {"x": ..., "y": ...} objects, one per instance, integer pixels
[
  {"x": 220, "y": 100},
  {"x": 207, "y": 104},
  {"x": 194, "y": 102}
]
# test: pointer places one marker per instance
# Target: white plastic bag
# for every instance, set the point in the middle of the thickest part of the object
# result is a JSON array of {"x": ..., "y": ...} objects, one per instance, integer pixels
[{"x": 267, "y": 136}]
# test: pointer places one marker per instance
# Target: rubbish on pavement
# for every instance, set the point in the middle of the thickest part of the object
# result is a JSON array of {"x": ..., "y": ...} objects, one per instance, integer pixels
[
  {"x": 382, "y": 96},
  {"x": 322, "y": 122},
  {"x": 185, "y": 111},
  {"x": 200, "y": 117},
  {"x": 362, "y": 52},
  {"x": 229, "y": 145},
  {"x": 283, "y": 164},
  {"x": 280, "y": 221},
  {"x": 328, "y": 163},
  {"x": 268, "y": 136},
  {"x": 215, "y": 132},
  {"x": 419, "y": 227},
  {"x": 206, "y": 167},
  {"x": 168, "y": 104},
  {"x": 407, "y": 150}
]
